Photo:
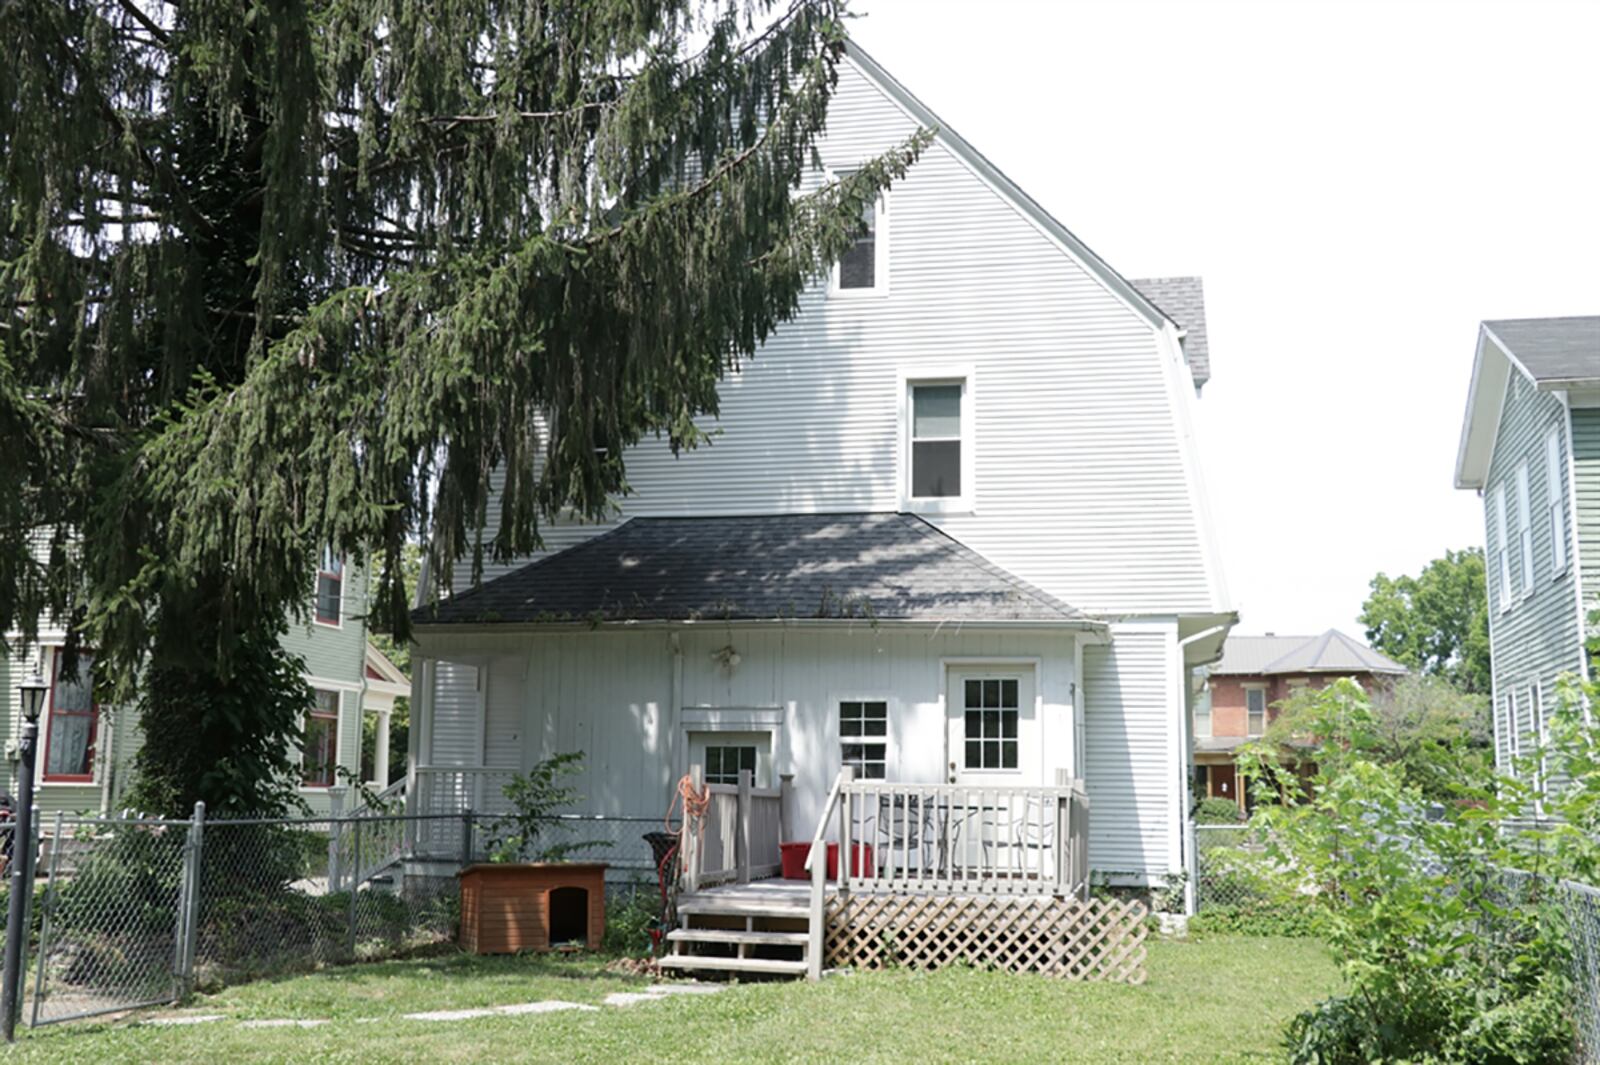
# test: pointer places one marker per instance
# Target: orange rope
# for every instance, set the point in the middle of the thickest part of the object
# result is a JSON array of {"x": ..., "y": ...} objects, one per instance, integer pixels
[{"x": 694, "y": 803}]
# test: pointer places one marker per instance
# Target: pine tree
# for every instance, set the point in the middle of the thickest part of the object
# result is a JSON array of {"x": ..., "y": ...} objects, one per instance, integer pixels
[{"x": 282, "y": 274}]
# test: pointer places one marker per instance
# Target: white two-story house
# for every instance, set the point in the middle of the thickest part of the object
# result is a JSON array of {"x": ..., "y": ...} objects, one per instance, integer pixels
[{"x": 953, "y": 529}]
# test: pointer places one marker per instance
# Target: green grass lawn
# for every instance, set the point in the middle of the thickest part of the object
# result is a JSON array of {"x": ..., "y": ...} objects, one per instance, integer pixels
[{"x": 1216, "y": 999}]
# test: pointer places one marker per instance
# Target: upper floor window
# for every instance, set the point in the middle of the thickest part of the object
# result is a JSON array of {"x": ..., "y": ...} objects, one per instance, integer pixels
[
  {"x": 1202, "y": 715},
  {"x": 70, "y": 731},
  {"x": 1255, "y": 707},
  {"x": 1525, "y": 528},
  {"x": 863, "y": 268},
  {"x": 1502, "y": 561},
  {"x": 864, "y": 737},
  {"x": 330, "y": 587},
  {"x": 1555, "y": 492},
  {"x": 936, "y": 440},
  {"x": 319, "y": 751}
]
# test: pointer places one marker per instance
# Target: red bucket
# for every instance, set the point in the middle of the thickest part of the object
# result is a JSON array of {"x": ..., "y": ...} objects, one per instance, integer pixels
[
  {"x": 860, "y": 859},
  {"x": 793, "y": 856}
]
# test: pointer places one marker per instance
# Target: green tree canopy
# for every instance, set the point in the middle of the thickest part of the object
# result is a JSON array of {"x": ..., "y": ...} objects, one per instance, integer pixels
[
  {"x": 1436, "y": 622},
  {"x": 277, "y": 275}
]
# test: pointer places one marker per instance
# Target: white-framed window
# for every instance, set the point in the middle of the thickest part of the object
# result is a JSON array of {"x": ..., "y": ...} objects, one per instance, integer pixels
[
  {"x": 330, "y": 587},
  {"x": 990, "y": 726},
  {"x": 319, "y": 746},
  {"x": 1555, "y": 495},
  {"x": 1536, "y": 697},
  {"x": 1502, "y": 559},
  {"x": 724, "y": 762},
  {"x": 1513, "y": 746},
  {"x": 1255, "y": 710},
  {"x": 863, "y": 270},
  {"x": 938, "y": 444},
  {"x": 1202, "y": 714},
  {"x": 1525, "y": 527},
  {"x": 864, "y": 737}
]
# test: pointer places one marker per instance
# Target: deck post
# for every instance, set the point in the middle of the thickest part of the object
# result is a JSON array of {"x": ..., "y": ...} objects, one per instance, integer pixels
[
  {"x": 1063, "y": 848},
  {"x": 743, "y": 838},
  {"x": 785, "y": 797},
  {"x": 689, "y": 866},
  {"x": 846, "y": 815}
]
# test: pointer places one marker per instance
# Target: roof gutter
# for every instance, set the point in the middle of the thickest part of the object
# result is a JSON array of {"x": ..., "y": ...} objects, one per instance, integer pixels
[{"x": 464, "y": 628}]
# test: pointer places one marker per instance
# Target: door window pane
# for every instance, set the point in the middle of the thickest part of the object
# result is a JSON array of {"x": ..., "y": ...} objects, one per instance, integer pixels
[
  {"x": 723, "y": 764},
  {"x": 990, "y": 723}
]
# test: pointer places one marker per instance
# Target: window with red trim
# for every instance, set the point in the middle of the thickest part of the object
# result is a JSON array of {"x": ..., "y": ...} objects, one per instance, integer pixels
[
  {"x": 330, "y": 587},
  {"x": 73, "y": 722},
  {"x": 319, "y": 753}
]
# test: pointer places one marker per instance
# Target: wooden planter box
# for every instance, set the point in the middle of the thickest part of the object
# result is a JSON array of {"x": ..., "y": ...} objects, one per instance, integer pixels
[{"x": 510, "y": 907}]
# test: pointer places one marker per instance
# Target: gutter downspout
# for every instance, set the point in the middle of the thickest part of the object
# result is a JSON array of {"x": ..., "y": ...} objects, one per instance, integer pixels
[{"x": 1190, "y": 859}]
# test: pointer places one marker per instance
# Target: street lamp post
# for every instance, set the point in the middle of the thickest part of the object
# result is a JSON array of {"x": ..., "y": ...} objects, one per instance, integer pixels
[{"x": 32, "y": 692}]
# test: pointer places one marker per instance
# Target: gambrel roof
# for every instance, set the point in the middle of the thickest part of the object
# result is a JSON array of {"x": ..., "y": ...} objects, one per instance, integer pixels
[{"x": 826, "y": 567}]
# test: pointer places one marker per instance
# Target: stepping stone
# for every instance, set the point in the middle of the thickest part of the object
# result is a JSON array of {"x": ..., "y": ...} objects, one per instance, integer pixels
[
  {"x": 550, "y": 1006},
  {"x": 685, "y": 989},
  {"x": 631, "y": 998},
  {"x": 280, "y": 1022},
  {"x": 193, "y": 1018}
]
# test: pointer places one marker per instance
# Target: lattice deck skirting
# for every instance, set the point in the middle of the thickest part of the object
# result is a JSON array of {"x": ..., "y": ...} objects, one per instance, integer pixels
[{"x": 1101, "y": 939}]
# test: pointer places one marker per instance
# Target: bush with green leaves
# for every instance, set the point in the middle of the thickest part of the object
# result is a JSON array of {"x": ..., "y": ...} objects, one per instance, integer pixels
[
  {"x": 630, "y": 915},
  {"x": 532, "y": 832},
  {"x": 1446, "y": 953},
  {"x": 1217, "y": 811}
]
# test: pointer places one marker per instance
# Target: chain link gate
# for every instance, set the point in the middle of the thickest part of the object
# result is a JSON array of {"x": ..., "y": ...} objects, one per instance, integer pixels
[
  {"x": 116, "y": 928},
  {"x": 1223, "y": 876}
]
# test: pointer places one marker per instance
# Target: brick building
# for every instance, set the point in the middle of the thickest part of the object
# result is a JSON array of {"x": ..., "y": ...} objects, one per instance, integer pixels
[{"x": 1243, "y": 689}]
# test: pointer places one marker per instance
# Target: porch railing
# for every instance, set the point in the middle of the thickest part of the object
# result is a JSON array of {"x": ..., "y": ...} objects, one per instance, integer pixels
[
  {"x": 475, "y": 792},
  {"x": 737, "y": 838},
  {"x": 933, "y": 838}
]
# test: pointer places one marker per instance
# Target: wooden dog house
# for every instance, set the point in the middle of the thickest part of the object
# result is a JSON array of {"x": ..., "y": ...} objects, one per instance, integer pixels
[{"x": 511, "y": 907}]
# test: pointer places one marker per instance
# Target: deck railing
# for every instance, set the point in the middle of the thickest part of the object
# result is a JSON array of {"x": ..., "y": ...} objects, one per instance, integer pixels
[
  {"x": 960, "y": 838},
  {"x": 736, "y": 839}
]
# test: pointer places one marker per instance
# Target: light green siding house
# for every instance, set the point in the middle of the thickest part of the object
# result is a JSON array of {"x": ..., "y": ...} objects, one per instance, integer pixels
[
  {"x": 1530, "y": 446},
  {"x": 86, "y": 751}
]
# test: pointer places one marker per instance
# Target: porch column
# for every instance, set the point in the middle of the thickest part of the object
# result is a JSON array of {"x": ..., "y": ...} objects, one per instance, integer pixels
[{"x": 380, "y": 756}]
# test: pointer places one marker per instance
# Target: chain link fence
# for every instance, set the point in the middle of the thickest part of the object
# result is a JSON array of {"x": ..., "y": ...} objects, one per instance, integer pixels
[
  {"x": 1224, "y": 873},
  {"x": 134, "y": 912}
]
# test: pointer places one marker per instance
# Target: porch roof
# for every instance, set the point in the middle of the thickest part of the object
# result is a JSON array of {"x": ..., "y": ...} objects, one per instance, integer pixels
[{"x": 888, "y": 567}]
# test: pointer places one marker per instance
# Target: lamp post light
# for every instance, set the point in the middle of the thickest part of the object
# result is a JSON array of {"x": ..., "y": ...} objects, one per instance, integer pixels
[{"x": 32, "y": 691}]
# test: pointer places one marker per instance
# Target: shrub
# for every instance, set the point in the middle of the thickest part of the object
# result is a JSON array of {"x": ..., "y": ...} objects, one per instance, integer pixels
[
  {"x": 1215, "y": 811},
  {"x": 531, "y": 831},
  {"x": 1446, "y": 957},
  {"x": 1258, "y": 917},
  {"x": 630, "y": 916}
]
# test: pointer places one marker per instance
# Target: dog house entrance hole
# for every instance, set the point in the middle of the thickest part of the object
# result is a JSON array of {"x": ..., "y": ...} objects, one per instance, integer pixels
[{"x": 569, "y": 915}]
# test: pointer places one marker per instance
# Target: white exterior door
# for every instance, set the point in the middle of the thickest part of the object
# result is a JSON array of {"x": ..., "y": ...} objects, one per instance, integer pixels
[{"x": 993, "y": 726}]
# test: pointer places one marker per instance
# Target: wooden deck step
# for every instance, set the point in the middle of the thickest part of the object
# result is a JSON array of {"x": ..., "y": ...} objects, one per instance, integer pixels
[
  {"x": 737, "y": 907},
  {"x": 734, "y": 965},
  {"x": 734, "y": 935}
]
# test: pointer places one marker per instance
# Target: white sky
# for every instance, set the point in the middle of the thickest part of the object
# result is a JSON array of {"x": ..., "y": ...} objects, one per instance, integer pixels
[{"x": 1358, "y": 184}]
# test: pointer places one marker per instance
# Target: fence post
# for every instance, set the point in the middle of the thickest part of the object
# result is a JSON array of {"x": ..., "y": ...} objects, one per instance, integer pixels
[
  {"x": 846, "y": 818},
  {"x": 189, "y": 900},
  {"x": 27, "y": 916},
  {"x": 742, "y": 839},
  {"x": 466, "y": 837},
  {"x": 355, "y": 881},
  {"x": 335, "y": 808}
]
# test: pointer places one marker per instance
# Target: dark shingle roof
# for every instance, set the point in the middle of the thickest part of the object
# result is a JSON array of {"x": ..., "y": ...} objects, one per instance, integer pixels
[
  {"x": 1552, "y": 349},
  {"x": 1183, "y": 300},
  {"x": 826, "y": 566}
]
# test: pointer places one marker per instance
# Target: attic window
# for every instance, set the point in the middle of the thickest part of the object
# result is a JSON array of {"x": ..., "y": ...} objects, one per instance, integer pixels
[{"x": 863, "y": 268}]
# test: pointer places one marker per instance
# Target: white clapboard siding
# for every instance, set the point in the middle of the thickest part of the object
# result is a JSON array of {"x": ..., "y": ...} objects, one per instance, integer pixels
[
  {"x": 457, "y": 726},
  {"x": 1081, "y": 483},
  {"x": 1130, "y": 771}
]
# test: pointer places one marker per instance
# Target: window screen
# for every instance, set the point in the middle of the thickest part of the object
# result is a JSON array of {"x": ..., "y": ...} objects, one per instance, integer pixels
[
  {"x": 330, "y": 587},
  {"x": 69, "y": 743},
  {"x": 1255, "y": 704},
  {"x": 858, "y": 268},
  {"x": 320, "y": 748}
]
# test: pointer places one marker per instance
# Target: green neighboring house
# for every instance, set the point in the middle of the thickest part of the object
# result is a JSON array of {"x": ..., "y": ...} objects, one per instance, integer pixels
[
  {"x": 86, "y": 750},
  {"x": 1530, "y": 446}
]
